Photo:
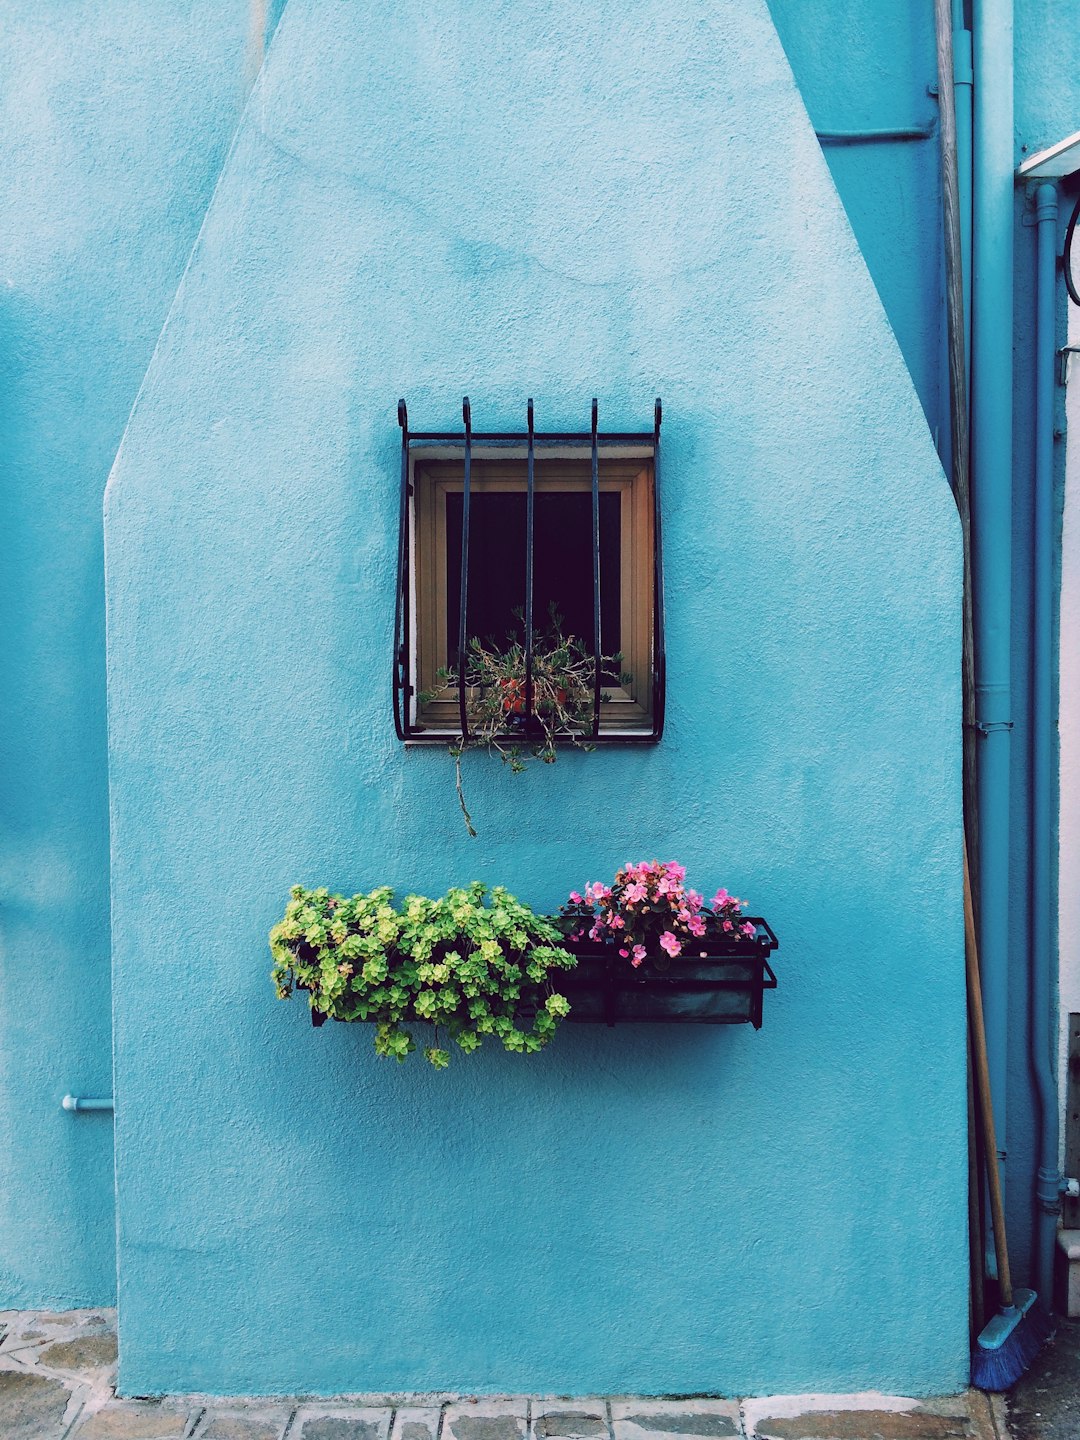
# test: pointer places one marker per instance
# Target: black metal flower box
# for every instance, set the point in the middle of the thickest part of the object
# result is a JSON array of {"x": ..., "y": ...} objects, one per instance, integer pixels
[{"x": 723, "y": 987}]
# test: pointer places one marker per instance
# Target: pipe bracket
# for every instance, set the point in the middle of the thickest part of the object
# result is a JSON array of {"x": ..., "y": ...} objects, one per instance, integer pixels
[{"x": 1048, "y": 1190}]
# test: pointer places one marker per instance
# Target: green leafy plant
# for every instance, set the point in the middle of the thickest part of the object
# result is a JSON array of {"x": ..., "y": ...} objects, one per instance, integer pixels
[
  {"x": 502, "y": 715},
  {"x": 472, "y": 963}
]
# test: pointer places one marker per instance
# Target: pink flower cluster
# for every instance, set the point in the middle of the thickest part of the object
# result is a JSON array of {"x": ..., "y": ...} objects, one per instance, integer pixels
[{"x": 649, "y": 906}]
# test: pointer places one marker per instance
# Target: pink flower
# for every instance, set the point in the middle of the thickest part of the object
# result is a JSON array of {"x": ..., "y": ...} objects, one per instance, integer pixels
[
  {"x": 635, "y": 892},
  {"x": 639, "y": 955},
  {"x": 670, "y": 944},
  {"x": 624, "y": 953},
  {"x": 696, "y": 925},
  {"x": 721, "y": 898},
  {"x": 615, "y": 920},
  {"x": 677, "y": 872},
  {"x": 728, "y": 925},
  {"x": 576, "y": 898},
  {"x": 748, "y": 929}
]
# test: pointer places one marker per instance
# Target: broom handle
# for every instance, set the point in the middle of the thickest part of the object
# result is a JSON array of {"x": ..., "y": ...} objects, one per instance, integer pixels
[
  {"x": 982, "y": 1081},
  {"x": 976, "y": 1245}
]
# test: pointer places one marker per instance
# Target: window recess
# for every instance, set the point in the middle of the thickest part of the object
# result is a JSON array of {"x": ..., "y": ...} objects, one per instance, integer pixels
[{"x": 499, "y": 531}]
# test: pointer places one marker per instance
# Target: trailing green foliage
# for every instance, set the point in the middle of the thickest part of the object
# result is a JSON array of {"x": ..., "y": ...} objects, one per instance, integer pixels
[
  {"x": 471, "y": 963},
  {"x": 506, "y": 716}
]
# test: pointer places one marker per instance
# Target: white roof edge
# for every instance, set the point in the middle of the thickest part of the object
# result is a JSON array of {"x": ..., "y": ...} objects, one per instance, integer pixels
[{"x": 1054, "y": 162}]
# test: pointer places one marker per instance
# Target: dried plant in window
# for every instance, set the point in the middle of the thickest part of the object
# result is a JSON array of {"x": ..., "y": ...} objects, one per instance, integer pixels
[{"x": 516, "y": 720}]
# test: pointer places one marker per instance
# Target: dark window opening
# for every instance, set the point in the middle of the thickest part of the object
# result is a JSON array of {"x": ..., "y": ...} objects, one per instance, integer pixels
[{"x": 562, "y": 568}]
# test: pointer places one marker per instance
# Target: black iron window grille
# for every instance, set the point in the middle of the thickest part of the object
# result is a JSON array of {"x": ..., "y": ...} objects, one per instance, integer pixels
[{"x": 569, "y": 520}]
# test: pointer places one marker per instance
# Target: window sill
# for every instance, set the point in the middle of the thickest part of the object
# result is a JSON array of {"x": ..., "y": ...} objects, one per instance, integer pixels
[{"x": 430, "y": 738}]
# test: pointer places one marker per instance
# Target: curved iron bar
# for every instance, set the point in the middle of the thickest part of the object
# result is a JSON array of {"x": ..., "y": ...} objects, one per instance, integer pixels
[
  {"x": 466, "y": 414},
  {"x": 529, "y": 511},
  {"x": 401, "y": 600},
  {"x": 596, "y": 575},
  {"x": 659, "y": 653}
]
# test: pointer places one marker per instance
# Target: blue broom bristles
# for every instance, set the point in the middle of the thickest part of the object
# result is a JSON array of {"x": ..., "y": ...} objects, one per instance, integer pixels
[{"x": 1009, "y": 1343}]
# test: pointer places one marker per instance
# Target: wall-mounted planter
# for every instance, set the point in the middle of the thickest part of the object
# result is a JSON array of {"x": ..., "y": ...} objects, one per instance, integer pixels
[
  {"x": 477, "y": 963},
  {"x": 723, "y": 987}
]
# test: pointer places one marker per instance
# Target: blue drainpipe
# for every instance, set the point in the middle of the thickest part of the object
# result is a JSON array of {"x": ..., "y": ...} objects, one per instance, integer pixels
[
  {"x": 963, "y": 79},
  {"x": 991, "y": 413},
  {"x": 1041, "y": 1029}
]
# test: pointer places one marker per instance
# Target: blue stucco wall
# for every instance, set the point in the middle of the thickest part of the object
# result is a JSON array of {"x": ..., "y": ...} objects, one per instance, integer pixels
[
  {"x": 861, "y": 66},
  {"x": 115, "y": 120},
  {"x": 612, "y": 204}
]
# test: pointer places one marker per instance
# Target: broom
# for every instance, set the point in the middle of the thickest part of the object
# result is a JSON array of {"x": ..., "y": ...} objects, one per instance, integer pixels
[
  {"x": 1006, "y": 1346},
  {"x": 1010, "y": 1341}
]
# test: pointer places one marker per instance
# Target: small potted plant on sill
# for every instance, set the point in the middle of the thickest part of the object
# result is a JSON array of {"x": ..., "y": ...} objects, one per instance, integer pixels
[
  {"x": 472, "y": 963},
  {"x": 651, "y": 948},
  {"x": 505, "y": 719}
]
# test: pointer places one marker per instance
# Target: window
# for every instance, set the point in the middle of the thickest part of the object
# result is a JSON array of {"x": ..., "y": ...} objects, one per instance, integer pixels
[{"x": 565, "y": 545}]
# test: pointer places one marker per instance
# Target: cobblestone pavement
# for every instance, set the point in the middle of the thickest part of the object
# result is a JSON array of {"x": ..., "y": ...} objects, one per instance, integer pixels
[{"x": 57, "y": 1373}]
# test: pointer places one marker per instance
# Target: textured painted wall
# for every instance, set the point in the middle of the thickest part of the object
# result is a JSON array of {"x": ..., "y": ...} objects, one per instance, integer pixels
[
  {"x": 428, "y": 205},
  {"x": 866, "y": 66},
  {"x": 115, "y": 121}
]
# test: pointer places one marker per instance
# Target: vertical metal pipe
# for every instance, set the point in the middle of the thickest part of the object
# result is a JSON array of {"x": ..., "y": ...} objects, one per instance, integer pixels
[
  {"x": 1040, "y": 1027},
  {"x": 463, "y": 717},
  {"x": 991, "y": 369},
  {"x": 529, "y": 508},
  {"x": 597, "y": 648},
  {"x": 963, "y": 100}
]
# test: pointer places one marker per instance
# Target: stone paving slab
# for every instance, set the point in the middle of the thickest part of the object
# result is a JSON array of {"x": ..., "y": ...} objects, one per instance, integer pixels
[
  {"x": 23, "y": 1329},
  {"x": 341, "y": 1422},
  {"x": 955, "y": 1417},
  {"x": 569, "y": 1420},
  {"x": 223, "y": 1421},
  {"x": 416, "y": 1422},
  {"x": 57, "y": 1373},
  {"x": 32, "y": 1407},
  {"x": 135, "y": 1420},
  {"x": 863, "y": 1425},
  {"x": 80, "y": 1354},
  {"x": 674, "y": 1419},
  {"x": 485, "y": 1420}
]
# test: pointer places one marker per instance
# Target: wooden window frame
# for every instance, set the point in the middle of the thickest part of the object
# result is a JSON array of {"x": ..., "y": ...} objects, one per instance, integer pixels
[{"x": 629, "y": 709}]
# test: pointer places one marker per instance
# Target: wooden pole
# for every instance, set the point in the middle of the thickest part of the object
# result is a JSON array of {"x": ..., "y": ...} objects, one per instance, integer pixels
[{"x": 958, "y": 406}]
